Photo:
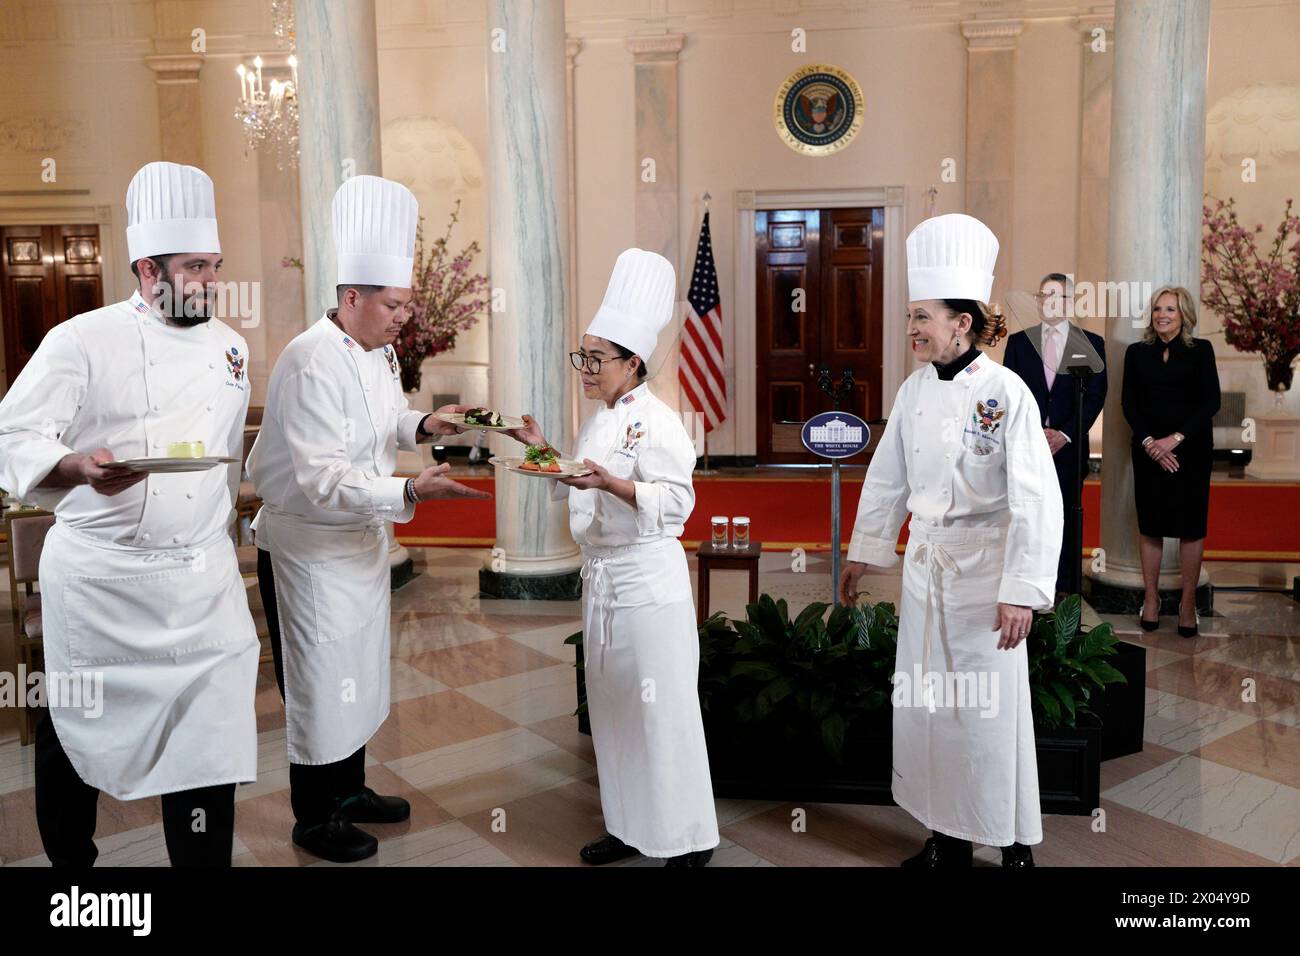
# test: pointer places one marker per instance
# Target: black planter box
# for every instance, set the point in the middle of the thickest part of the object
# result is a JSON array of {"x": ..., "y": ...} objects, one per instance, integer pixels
[
  {"x": 1069, "y": 760},
  {"x": 1121, "y": 708},
  {"x": 1069, "y": 769}
]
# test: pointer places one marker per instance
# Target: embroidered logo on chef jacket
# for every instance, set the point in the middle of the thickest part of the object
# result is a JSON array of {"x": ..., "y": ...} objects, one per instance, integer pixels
[
  {"x": 986, "y": 420},
  {"x": 392, "y": 361},
  {"x": 347, "y": 340},
  {"x": 235, "y": 367},
  {"x": 628, "y": 399},
  {"x": 634, "y": 434}
]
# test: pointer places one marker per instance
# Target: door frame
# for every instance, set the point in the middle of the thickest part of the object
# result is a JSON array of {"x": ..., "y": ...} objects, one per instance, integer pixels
[
  {"x": 747, "y": 202},
  {"x": 13, "y": 212}
]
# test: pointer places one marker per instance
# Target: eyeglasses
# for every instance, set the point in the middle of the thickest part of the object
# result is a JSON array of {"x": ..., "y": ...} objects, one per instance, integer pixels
[{"x": 582, "y": 361}]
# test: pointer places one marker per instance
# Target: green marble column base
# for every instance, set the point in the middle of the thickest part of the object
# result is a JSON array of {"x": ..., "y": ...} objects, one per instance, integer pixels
[
  {"x": 561, "y": 586},
  {"x": 1109, "y": 598}
]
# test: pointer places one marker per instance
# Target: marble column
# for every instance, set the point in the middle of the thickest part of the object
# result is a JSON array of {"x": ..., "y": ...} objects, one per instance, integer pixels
[
  {"x": 338, "y": 119},
  {"x": 1097, "y": 34},
  {"x": 180, "y": 117},
  {"x": 572, "y": 46},
  {"x": 338, "y": 137},
  {"x": 1157, "y": 169},
  {"x": 990, "y": 132},
  {"x": 656, "y": 224},
  {"x": 534, "y": 556}
]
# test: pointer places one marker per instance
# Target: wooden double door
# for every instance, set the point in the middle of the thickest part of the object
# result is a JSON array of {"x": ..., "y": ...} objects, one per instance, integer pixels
[
  {"x": 47, "y": 275},
  {"x": 819, "y": 301}
]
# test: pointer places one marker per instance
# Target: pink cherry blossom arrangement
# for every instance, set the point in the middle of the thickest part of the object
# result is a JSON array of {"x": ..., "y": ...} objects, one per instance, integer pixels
[
  {"x": 446, "y": 299},
  {"x": 1256, "y": 295}
]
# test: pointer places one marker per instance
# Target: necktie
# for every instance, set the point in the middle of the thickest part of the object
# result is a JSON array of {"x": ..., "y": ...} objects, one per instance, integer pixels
[{"x": 1051, "y": 356}]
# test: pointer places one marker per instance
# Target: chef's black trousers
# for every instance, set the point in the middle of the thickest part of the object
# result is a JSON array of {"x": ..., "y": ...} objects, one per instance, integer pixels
[
  {"x": 66, "y": 811},
  {"x": 315, "y": 790}
]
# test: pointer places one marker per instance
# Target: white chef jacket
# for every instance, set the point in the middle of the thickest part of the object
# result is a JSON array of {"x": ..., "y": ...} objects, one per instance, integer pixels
[
  {"x": 326, "y": 453},
  {"x": 988, "y": 465},
  {"x": 123, "y": 379},
  {"x": 643, "y": 439},
  {"x": 141, "y": 589}
]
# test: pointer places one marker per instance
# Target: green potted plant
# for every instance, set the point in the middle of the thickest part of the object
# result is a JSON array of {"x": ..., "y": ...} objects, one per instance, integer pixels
[{"x": 799, "y": 708}]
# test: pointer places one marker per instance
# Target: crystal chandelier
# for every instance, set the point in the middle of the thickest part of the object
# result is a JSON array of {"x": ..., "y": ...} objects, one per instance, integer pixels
[{"x": 269, "y": 114}]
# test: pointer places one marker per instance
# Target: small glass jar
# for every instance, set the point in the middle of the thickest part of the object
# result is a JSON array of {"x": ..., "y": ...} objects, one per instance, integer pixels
[
  {"x": 721, "y": 528},
  {"x": 740, "y": 533}
]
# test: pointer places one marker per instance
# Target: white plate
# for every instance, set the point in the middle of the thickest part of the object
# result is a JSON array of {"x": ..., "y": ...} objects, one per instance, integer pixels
[
  {"x": 569, "y": 468},
  {"x": 166, "y": 465},
  {"x": 458, "y": 418}
]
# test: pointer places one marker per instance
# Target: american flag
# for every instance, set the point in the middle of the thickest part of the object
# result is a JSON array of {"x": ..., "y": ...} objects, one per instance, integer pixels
[{"x": 700, "y": 368}]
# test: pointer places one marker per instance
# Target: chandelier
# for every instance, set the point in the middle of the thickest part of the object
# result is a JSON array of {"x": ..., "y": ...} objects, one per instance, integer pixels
[{"x": 269, "y": 113}]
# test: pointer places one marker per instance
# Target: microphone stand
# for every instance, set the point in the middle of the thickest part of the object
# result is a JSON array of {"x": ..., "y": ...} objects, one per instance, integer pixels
[{"x": 1074, "y": 513}]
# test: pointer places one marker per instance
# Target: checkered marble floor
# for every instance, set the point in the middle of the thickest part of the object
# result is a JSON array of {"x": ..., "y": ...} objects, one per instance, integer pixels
[{"x": 481, "y": 741}]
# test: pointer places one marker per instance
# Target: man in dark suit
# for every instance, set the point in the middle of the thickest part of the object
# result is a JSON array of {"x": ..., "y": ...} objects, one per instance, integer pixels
[{"x": 1036, "y": 355}]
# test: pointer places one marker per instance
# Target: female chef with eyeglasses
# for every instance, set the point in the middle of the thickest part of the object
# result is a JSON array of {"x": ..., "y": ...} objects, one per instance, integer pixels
[{"x": 641, "y": 647}]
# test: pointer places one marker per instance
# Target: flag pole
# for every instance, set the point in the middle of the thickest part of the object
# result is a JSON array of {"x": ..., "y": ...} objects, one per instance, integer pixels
[{"x": 706, "y": 198}]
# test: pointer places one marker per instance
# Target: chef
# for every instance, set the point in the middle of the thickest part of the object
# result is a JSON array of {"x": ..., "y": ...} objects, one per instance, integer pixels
[
  {"x": 139, "y": 582},
  {"x": 323, "y": 466},
  {"x": 640, "y": 642},
  {"x": 964, "y": 452}
]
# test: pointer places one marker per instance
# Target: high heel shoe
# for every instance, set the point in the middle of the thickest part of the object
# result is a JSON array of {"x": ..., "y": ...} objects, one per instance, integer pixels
[
  {"x": 1149, "y": 625},
  {"x": 1185, "y": 631}
]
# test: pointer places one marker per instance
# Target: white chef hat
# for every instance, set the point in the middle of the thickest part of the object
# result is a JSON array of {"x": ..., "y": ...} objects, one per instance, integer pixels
[
  {"x": 951, "y": 257},
  {"x": 374, "y": 232},
  {"x": 170, "y": 208},
  {"x": 638, "y": 301}
]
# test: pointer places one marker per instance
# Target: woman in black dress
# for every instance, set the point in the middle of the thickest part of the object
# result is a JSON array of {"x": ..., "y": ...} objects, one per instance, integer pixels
[{"x": 1171, "y": 393}]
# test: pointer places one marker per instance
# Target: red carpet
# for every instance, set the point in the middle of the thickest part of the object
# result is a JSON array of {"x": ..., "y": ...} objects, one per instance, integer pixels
[{"x": 1249, "y": 520}]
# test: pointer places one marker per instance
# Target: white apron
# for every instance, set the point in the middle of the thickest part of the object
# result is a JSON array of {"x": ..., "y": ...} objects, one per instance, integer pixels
[
  {"x": 641, "y": 658},
  {"x": 170, "y": 633},
  {"x": 332, "y": 593},
  {"x": 964, "y": 761}
]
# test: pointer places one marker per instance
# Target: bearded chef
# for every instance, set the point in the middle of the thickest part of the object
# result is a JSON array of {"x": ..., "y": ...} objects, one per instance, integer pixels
[
  {"x": 964, "y": 452},
  {"x": 323, "y": 465},
  {"x": 139, "y": 582},
  {"x": 640, "y": 643}
]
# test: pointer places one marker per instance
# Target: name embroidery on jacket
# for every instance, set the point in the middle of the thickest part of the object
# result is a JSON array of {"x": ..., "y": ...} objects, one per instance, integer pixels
[
  {"x": 235, "y": 367},
  {"x": 987, "y": 419}
]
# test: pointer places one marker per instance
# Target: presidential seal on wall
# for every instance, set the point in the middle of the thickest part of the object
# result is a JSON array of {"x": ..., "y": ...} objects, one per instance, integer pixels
[{"x": 818, "y": 110}]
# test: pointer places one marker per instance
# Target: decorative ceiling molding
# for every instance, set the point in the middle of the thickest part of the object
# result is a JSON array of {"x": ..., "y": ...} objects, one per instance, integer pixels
[
  {"x": 992, "y": 34},
  {"x": 175, "y": 67},
  {"x": 664, "y": 46}
]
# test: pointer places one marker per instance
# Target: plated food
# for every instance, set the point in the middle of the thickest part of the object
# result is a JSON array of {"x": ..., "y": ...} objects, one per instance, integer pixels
[
  {"x": 544, "y": 461},
  {"x": 185, "y": 449},
  {"x": 483, "y": 419},
  {"x": 541, "y": 458}
]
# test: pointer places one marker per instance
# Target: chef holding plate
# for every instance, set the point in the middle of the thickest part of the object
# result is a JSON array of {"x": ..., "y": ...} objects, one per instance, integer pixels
[
  {"x": 323, "y": 465},
  {"x": 629, "y": 493},
  {"x": 139, "y": 581}
]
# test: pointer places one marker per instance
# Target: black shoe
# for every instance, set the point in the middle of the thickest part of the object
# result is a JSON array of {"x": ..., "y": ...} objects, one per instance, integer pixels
[
  {"x": 1017, "y": 855},
  {"x": 942, "y": 852},
  {"x": 370, "y": 807},
  {"x": 698, "y": 858},
  {"x": 337, "y": 841},
  {"x": 608, "y": 849},
  {"x": 1185, "y": 631},
  {"x": 1149, "y": 625}
]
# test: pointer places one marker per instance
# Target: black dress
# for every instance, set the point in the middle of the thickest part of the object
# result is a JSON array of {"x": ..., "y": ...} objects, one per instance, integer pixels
[{"x": 1161, "y": 397}]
